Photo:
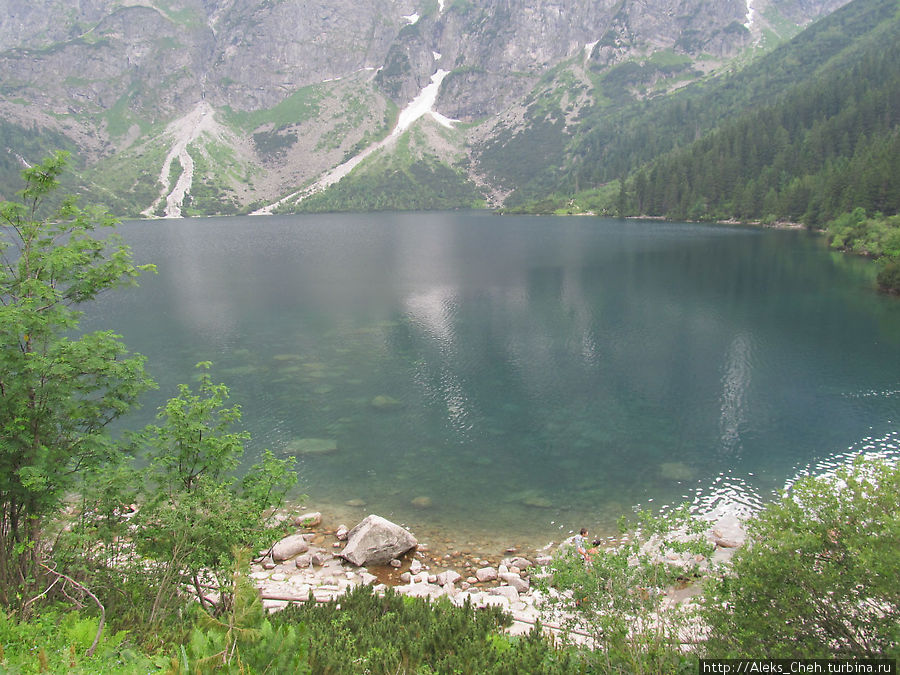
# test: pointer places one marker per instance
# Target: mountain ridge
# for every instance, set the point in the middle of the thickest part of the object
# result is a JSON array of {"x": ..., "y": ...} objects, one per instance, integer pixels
[{"x": 302, "y": 86}]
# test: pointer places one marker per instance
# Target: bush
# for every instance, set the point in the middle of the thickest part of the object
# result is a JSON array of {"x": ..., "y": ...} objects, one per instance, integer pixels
[
  {"x": 366, "y": 633},
  {"x": 889, "y": 277},
  {"x": 820, "y": 577}
]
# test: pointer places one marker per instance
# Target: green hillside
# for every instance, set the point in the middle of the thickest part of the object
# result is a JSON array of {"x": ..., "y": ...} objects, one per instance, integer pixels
[
  {"x": 621, "y": 136},
  {"x": 827, "y": 145}
]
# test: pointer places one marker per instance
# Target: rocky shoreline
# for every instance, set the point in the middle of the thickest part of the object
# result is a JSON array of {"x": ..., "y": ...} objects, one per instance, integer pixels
[{"x": 313, "y": 564}]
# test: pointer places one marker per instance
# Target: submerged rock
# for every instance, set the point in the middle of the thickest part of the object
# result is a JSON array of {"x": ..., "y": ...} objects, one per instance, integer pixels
[
  {"x": 382, "y": 402},
  {"x": 311, "y": 446},
  {"x": 675, "y": 471},
  {"x": 422, "y": 502},
  {"x": 312, "y": 519}
]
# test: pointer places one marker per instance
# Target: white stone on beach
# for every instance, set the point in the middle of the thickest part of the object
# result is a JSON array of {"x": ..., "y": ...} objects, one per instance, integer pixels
[
  {"x": 448, "y": 577},
  {"x": 507, "y": 592},
  {"x": 521, "y": 585},
  {"x": 486, "y": 574},
  {"x": 289, "y": 547}
]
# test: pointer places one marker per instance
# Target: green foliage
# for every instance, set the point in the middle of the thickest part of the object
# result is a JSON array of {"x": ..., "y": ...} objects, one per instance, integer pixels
[
  {"x": 56, "y": 641},
  {"x": 273, "y": 144},
  {"x": 876, "y": 237},
  {"x": 243, "y": 640},
  {"x": 805, "y": 133},
  {"x": 889, "y": 277},
  {"x": 366, "y": 633},
  {"x": 398, "y": 182},
  {"x": 302, "y": 105},
  {"x": 194, "y": 516},
  {"x": 58, "y": 392},
  {"x": 820, "y": 577},
  {"x": 617, "y": 598}
]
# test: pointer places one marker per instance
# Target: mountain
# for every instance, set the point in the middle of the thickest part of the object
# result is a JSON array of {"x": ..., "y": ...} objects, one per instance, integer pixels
[{"x": 220, "y": 106}]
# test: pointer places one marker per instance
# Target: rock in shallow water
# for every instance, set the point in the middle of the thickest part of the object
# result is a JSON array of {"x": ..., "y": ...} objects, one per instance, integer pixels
[
  {"x": 383, "y": 402},
  {"x": 311, "y": 446}
]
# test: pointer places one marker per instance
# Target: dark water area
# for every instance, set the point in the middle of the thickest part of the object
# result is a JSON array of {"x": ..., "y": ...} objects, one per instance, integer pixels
[{"x": 505, "y": 380}]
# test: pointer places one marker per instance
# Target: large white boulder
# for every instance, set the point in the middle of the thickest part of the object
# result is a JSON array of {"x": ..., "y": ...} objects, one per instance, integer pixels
[{"x": 376, "y": 541}]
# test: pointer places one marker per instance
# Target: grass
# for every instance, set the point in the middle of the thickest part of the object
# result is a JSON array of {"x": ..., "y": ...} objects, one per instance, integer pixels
[{"x": 300, "y": 106}]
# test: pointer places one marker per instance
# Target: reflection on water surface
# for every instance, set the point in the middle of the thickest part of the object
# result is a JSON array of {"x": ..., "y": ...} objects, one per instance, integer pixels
[{"x": 517, "y": 378}]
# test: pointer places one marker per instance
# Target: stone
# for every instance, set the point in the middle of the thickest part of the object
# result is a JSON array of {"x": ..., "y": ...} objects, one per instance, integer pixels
[
  {"x": 358, "y": 503},
  {"x": 508, "y": 592},
  {"x": 726, "y": 543},
  {"x": 312, "y": 519},
  {"x": 486, "y": 574},
  {"x": 268, "y": 565},
  {"x": 502, "y": 569},
  {"x": 406, "y": 578},
  {"x": 311, "y": 446},
  {"x": 677, "y": 471},
  {"x": 342, "y": 532},
  {"x": 396, "y": 563},
  {"x": 421, "y": 502},
  {"x": 415, "y": 566},
  {"x": 376, "y": 541},
  {"x": 419, "y": 590},
  {"x": 303, "y": 561},
  {"x": 521, "y": 585},
  {"x": 448, "y": 577},
  {"x": 465, "y": 586},
  {"x": 383, "y": 402},
  {"x": 522, "y": 563},
  {"x": 368, "y": 579},
  {"x": 471, "y": 580},
  {"x": 320, "y": 558},
  {"x": 289, "y": 547}
]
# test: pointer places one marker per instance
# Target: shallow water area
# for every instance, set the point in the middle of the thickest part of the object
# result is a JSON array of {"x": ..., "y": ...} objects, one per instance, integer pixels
[{"x": 497, "y": 382}]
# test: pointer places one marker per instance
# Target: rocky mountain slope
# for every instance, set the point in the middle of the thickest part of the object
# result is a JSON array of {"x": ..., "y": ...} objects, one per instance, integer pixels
[{"x": 217, "y": 106}]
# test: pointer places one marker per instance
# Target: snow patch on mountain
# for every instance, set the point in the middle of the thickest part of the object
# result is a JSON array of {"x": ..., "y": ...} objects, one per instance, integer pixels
[
  {"x": 421, "y": 105},
  {"x": 411, "y": 18},
  {"x": 751, "y": 16}
]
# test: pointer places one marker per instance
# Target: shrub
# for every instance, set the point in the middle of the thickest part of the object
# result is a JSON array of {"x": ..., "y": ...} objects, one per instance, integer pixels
[{"x": 820, "y": 577}]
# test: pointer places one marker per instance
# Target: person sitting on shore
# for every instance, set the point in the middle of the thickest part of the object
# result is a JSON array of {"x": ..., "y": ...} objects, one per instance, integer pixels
[{"x": 581, "y": 548}]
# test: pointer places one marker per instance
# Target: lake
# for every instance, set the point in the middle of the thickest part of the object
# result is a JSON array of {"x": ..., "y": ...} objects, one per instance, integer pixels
[{"x": 493, "y": 381}]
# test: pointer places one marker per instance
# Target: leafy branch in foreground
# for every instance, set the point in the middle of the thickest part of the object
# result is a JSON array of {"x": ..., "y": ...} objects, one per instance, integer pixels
[
  {"x": 195, "y": 515},
  {"x": 58, "y": 392}
]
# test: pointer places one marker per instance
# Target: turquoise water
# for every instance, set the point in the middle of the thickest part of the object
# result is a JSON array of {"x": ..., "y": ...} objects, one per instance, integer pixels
[{"x": 508, "y": 379}]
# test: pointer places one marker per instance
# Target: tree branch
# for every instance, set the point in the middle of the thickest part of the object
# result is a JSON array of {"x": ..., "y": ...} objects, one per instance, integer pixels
[{"x": 93, "y": 647}]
